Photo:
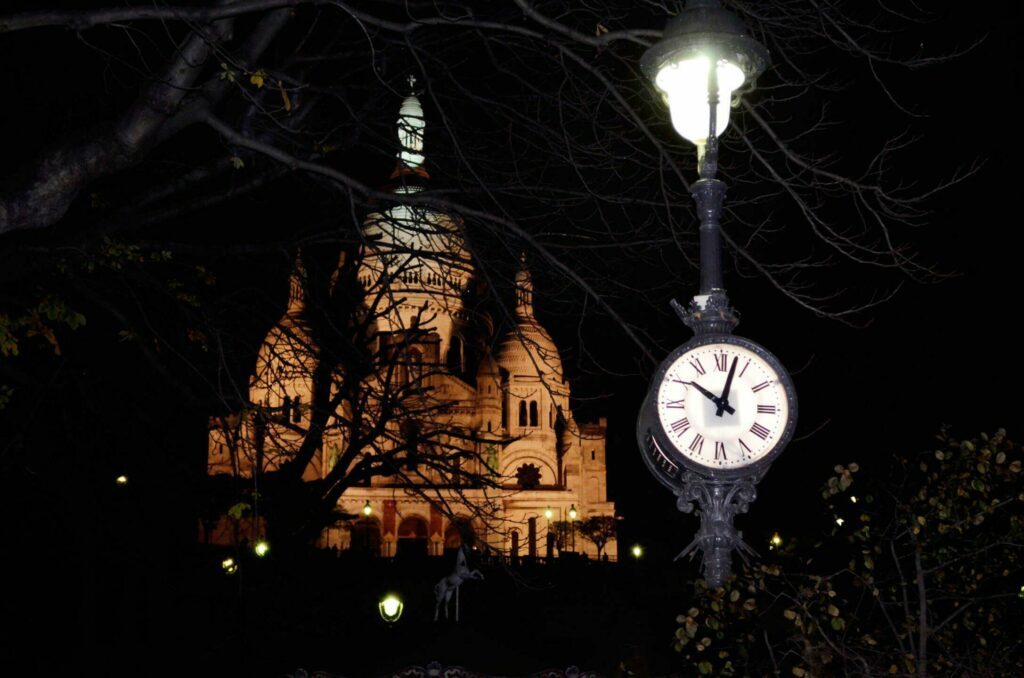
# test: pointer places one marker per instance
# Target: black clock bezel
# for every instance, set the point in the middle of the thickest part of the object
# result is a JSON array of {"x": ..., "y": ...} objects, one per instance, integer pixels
[{"x": 661, "y": 455}]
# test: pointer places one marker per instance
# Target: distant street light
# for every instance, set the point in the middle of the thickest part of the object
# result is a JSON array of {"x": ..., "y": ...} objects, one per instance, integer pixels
[
  {"x": 229, "y": 566},
  {"x": 637, "y": 551},
  {"x": 390, "y": 608},
  {"x": 121, "y": 480},
  {"x": 776, "y": 541},
  {"x": 367, "y": 509},
  {"x": 572, "y": 521},
  {"x": 548, "y": 513},
  {"x": 261, "y": 548}
]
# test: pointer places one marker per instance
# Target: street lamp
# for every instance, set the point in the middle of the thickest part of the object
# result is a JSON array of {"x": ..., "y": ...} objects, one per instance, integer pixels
[
  {"x": 549, "y": 538},
  {"x": 720, "y": 408},
  {"x": 702, "y": 34},
  {"x": 367, "y": 509},
  {"x": 261, "y": 548},
  {"x": 637, "y": 551},
  {"x": 390, "y": 608},
  {"x": 680, "y": 66},
  {"x": 572, "y": 521}
]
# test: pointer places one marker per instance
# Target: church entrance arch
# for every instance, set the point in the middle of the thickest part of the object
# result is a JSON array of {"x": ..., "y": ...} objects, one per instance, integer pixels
[
  {"x": 459, "y": 531},
  {"x": 366, "y": 536},
  {"x": 412, "y": 537}
]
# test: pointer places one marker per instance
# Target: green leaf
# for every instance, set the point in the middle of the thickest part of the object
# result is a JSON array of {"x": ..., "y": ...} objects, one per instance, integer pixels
[{"x": 238, "y": 510}]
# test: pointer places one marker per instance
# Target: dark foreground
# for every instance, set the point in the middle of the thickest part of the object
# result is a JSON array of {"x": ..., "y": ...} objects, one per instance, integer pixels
[{"x": 318, "y": 612}]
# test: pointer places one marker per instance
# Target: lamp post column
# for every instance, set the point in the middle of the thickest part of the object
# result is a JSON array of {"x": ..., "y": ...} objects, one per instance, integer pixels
[{"x": 709, "y": 311}]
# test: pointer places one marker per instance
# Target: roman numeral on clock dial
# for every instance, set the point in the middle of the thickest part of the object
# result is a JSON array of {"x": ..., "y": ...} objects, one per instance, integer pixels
[
  {"x": 697, "y": 365},
  {"x": 678, "y": 404},
  {"x": 721, "y": 362},
  {"x": 766, "y": 409},
  {"x": 720, "y": 450},
  {"x": 698, "y": 443},
  {"x": 759, "y": 431},
  {"x": 681, "y": 426}
]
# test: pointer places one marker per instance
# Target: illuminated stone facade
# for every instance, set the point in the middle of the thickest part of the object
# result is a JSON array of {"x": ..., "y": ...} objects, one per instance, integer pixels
[{"x": 507, "y": 393}]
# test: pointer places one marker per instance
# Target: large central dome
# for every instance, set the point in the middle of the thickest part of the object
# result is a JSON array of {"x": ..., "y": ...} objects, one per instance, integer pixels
[{"x": 415, "y": 256}]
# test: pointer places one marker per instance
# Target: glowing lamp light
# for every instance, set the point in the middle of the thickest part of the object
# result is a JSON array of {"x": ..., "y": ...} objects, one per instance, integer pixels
[
  {"x": 548, "y": 513},
  {"x": 685, "y": 86},
  {"x": 121, "y": 480},
  {"x": 367, "y": 509},
  {"x": 701, "y": 34},
  {"x": 637, "y": 551},
  {"x": 229, "y": 566},
  {"x": 261, "y": 548},
  {"x": 390, "y": 608},
  {"x": 840, "y": 521},
  {"x": 853, "y": 499},
  {"x": 776, "y": 541},
  {"x": 572, "y": 512}
]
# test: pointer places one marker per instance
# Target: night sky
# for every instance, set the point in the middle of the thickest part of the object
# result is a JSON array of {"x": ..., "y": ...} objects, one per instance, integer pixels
[{"x": 937, "y": 354}]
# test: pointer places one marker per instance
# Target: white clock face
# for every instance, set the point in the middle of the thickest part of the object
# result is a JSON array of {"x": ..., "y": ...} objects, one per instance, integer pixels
[{"x": 723, "y": 405}]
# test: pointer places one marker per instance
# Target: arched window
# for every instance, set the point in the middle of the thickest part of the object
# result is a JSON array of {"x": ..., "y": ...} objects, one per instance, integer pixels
[
  {"x": 415, "y": 364},
  {"x": 412, "y": 537},
  {"x": 504, "y": 398},
  {"x": 522, "y": 413},
  {"x": 533, "y": 413},
  {"x": 455, "y": 356},
  {"x": 366, "y": 536}
]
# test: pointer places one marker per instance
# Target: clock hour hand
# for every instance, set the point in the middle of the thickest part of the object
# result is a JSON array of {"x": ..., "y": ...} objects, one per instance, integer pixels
[
  {"x": 723, "y": 401},
  {"x": 712, "y": 397}
]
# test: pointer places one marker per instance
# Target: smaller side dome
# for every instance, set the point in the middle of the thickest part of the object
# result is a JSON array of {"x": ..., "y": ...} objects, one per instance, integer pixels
[{"x": 528, "y": 349}]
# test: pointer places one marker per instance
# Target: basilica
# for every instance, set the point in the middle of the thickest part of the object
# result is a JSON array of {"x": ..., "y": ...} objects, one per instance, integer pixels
[{"x": 500, "y": 397}]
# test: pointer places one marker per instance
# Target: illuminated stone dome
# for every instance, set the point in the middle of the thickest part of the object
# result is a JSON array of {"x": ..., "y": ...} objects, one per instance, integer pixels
[
  {"x": 528, "y": 349},
  {"x": 415, "y": 255},
  {"x": 288, "y": 355}
]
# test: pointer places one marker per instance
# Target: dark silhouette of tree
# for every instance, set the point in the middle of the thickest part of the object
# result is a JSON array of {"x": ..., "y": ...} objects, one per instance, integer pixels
[
  {"x": 598, "y": 530},
  {"x": 337, "y": 402},
  {"x": 550, "y": 139}
]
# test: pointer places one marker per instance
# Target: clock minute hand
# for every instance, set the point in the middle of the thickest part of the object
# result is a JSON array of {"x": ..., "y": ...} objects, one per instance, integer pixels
[
  {"x": 723, "y": 401},
  {"x": 712, "y": 397}
]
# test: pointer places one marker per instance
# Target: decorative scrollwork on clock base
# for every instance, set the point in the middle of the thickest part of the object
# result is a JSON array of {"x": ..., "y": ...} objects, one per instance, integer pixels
[{"x": 718, "y": 502}]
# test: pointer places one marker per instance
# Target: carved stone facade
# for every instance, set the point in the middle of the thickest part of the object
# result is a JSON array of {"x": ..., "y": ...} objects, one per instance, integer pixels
[{"x": 506, "y": 391}]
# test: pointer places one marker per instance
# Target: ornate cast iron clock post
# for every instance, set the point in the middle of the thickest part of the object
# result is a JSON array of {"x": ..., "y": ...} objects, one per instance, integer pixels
[{"x": 720, "y": 408}]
